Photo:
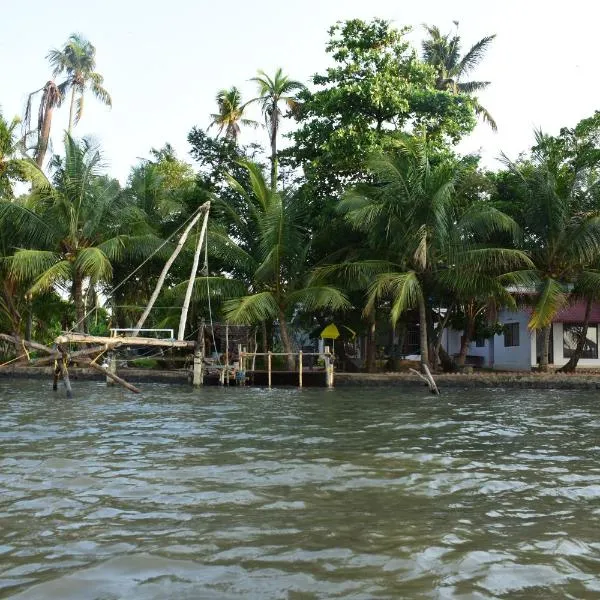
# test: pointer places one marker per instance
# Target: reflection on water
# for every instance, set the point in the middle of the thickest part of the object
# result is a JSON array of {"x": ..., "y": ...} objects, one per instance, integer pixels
[{"x": 243, "y": 493}]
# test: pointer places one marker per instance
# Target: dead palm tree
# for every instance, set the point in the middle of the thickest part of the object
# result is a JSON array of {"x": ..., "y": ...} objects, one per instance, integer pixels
[
  {"x": 51, "y": 97},
  {"x": 443, "y": 53}
]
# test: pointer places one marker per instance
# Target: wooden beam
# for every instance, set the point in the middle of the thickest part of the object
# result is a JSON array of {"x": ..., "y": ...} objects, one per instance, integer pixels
[
  {"x": 111, "y": 342},
  {"x": 112, "y": 376},
  {"x": 19, "y": 342}
]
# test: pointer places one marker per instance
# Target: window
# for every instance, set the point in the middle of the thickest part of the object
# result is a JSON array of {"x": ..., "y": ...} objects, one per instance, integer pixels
[
  {"x": 511, "y": 334},
  {"x": 480, "y": 343},
  {"x": 571, "y": 335}
]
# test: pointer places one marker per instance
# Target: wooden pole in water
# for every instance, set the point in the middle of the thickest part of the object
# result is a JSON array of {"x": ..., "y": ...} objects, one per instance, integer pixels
[
  {"x": 198, "y": 360},
  {"x": 190, "y": 286},
  {"x": 113, "y": 376},
  {"x": 64, "y": 371},
  {"x": 300, "y": 368},
  {"x": 165, "y": 270},
  {"x": 112, "y": 368},
  {"x": 227, "y": 352},
  {"x": 269, "y": 367}
]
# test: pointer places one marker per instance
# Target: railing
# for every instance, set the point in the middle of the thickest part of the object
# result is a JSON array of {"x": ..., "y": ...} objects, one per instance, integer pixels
[{"x": 326, "y": 355}]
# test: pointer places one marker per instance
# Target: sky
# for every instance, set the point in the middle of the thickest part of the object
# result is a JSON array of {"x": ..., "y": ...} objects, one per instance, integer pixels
[{"x": 163, "y": 62}]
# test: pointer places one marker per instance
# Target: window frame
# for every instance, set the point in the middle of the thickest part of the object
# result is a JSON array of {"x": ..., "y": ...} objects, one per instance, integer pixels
[
  {"x": 512, "y": 333},
  {"x": 568, "y": 352}
]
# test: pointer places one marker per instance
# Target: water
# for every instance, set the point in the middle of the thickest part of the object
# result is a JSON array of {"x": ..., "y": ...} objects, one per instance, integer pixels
[{"x": 297, "y": 495}]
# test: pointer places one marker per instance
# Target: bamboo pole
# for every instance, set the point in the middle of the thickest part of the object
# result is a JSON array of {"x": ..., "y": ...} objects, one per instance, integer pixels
[
  {"x": 269, "y": 366},
  {"x": 190, "y": 286},
  {"x": 166, "y": 268},
  {"x": 113, "y": 342},
  {"x": 300, "y": 368}
]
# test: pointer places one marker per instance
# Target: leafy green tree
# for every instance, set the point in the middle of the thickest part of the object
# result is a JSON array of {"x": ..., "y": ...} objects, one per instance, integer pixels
[
  {"x": 231, "y": 114},
  {"x": 272, "y": 92},
  {"x": 11, "y": 166},
  {"x": 376, "y": 89},
  {"x": 443, "y": 53},
  {"x": 77, "y": 60},
  {"x": 70, "y": 230}
]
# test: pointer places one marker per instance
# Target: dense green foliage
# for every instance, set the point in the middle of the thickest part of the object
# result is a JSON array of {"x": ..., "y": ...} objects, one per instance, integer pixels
[{"x": 369, "y": 216}]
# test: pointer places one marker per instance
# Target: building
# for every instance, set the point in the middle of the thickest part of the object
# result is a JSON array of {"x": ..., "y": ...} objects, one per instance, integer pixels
[{"x": 518, "y": 347}]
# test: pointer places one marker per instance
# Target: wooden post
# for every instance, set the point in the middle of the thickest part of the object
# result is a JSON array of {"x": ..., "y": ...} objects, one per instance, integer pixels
[
  {"x": 112, "y": 376},
  {"x": 56, "y": 375},
  {"x": 227, "y": 352},
  {"x": 269, "y": 366},
  {"x": 300, "y": 368},
  {"x": 198, "y": 360},
  {"x": 112, "y": 368},
  {"x": 64, "y": 371}
]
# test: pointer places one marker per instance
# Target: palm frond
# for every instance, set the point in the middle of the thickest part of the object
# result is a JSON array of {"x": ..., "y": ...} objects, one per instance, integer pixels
[
  {"x": 551, "y": 299},
  {"x": 251, "y": 309}
]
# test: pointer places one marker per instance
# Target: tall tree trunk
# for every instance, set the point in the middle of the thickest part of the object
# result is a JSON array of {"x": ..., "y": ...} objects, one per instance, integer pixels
[
  {"x": 466, "y": 340},
  {"x": 274, "y": 153},
  {"x": 423, "y": 332},
  {"x": 545, "y": 348},
  {"x": 71, "y": 110},
  {"x": 78, "y": 300},
  {"x": 371, "y": 363},
  {"x": 44, "y": 138},
  {"x": 285, "y": 340},
  {"x": 572, "y": 364}
]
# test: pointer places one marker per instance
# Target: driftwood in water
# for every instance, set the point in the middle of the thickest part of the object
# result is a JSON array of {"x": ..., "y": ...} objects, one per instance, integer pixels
[
  {"x": 90, "y": 363},
  {"x": 427, "y": 378},
  {"x": 166, "y": 268}
]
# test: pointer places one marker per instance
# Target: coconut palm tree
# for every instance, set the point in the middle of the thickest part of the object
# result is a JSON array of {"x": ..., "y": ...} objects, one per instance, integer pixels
[
  {"x": 562, "y": 238},
  {"x": 272, "y": 92},
  {"x": 408, "y": 212},
  {"x": 443, "y": 53},
  {"x": 77, "y": 60},
  {"x": 270, "y": 254},
  {"x": 231, "y": 114},
  {"x": 51, "y": 97},
  {"x": 69, "y": 231}
]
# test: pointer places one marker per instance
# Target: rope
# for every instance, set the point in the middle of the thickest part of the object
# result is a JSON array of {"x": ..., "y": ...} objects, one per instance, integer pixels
[
  {"x": 86, "y": 315},
  {"x": 14, "y": 359}
]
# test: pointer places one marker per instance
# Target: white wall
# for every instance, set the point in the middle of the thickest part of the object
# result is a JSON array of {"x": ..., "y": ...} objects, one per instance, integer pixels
[
  {"x": 451, "y": 342},
  {"x": 515, "y": 358}
]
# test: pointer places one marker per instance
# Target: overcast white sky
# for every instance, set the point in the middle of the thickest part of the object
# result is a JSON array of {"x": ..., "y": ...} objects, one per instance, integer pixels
[{"x": 164, "y": 61}]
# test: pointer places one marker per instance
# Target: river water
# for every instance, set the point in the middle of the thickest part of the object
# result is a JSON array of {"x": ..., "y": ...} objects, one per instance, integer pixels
[{"x": 297, "y": 494}]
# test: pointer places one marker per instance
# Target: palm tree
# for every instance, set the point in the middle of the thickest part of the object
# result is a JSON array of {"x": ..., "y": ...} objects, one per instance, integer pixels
[
  {"x": 11, "y": 167},
  {"x": 270, "y": 252},
  {"x": 408, "y": 212},
  {"x": 562, "y": 238},
  {"x": 70, "y": 230},
  {"x": 51, "y": 96},
  {"x": 272, "y": 91},
  {"x": 442, "y": 52},
  {"x": 77, "y": 60},
  {"x": 231, "y": 114}
]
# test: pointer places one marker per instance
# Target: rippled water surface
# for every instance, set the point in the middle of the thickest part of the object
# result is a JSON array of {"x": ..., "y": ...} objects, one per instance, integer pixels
[{"x": 244, "y": 493}]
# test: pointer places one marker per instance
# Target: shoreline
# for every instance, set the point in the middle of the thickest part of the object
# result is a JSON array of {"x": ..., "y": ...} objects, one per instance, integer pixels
[{"x": 482, "y": 380}]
